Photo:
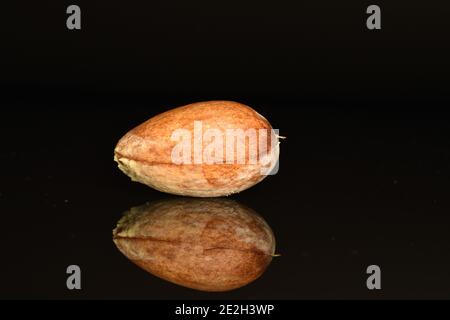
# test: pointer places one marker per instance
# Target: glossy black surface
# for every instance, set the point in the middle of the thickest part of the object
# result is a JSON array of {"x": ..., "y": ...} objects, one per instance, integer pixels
[{"x": 355, "y": 187}]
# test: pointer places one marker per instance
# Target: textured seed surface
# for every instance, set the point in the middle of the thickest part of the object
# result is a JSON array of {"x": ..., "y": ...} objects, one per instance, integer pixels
[
  {"x": 204, "y": 244},
  {"x": 145, "y": 152}
]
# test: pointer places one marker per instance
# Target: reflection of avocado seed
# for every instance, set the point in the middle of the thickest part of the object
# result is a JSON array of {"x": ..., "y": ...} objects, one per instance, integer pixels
[{"x": 204, "y": 244}]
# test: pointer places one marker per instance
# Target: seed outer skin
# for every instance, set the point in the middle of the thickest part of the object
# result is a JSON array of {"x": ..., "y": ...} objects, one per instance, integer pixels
[{"x": 145, "y": 152}]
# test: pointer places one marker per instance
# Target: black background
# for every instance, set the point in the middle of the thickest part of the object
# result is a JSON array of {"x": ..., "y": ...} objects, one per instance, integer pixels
[{"x": 364, "y": 169}]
